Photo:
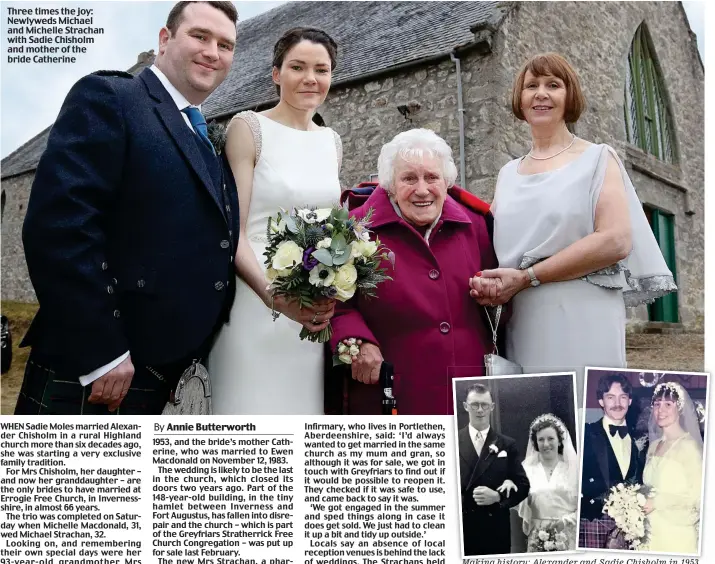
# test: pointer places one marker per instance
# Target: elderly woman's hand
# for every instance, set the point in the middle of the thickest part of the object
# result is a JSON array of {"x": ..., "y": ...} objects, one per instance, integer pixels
[
  {"x": 485, "y": 291},
  {"x": 366, "y": 365},
  {"x": 512, "y": 282}
]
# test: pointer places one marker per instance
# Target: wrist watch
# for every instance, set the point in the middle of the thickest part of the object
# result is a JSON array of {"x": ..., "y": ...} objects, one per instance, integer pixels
[{"x": 534, "y": 280}]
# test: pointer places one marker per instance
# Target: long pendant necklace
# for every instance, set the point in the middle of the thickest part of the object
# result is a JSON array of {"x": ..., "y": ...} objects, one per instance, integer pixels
[{"x": 573, "y": 138}]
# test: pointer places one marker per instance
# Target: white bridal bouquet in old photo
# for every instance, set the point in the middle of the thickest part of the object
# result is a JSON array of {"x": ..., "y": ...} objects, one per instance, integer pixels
[
  {"x": 323, "y": 253},
  {"x": 625, "y": 505}
]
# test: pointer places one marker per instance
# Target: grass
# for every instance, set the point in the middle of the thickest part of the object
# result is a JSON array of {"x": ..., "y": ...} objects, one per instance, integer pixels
[{"x": 20, "y": 316}]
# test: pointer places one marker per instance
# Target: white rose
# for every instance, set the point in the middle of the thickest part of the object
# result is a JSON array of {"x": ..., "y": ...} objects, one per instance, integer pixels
[
  {"x": 354, "y": 350},
  {"x": 288, "y": 254},
  {"x": 543, "y": 535},
  {"x": 560, "y": 546},
  {"x": 272, "y": 274},
  {"x": 321, "y": 275},
  {"x": 641, "y": 499},
  {"x": 345, "y": 358},
  {"x": 342, "y": 347},
  {"x": 352, "y": 341},
  {"x": 324, "y": 244},
  {"x": 345, "y": 279},
  {"x": 549, "y": 545}
]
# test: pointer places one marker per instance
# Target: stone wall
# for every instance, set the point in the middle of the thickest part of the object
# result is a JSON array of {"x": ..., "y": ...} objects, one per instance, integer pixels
[{"x": 595, "y": 37}]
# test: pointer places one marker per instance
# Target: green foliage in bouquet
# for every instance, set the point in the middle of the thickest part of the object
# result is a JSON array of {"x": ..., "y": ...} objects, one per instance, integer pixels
[{"x": 323, "y": 253}]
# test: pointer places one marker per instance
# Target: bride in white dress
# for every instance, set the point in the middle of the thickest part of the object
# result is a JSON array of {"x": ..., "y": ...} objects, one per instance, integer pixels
[
  {"x": 552, "y": 466},
  {"x": 280, "y": 159},
  {"x": 674, "y": 470}
]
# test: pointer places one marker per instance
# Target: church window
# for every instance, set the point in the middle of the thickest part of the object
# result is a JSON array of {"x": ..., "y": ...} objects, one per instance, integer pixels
[{"x": 649, "y": 124}]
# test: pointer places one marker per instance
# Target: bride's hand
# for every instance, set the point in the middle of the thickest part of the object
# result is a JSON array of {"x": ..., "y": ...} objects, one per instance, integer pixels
[
  {"x": 507, "y": 487},
  {"x": 314, "y": 318}
]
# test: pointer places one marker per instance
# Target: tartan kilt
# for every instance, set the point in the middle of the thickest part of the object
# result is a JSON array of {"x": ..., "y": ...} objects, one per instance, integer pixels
[
  {"x": 593, "y": 533},
  {"x": 48, "y": 391}
]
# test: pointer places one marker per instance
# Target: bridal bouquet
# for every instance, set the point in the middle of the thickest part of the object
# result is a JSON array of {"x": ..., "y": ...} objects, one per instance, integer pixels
[
  {"x": 548, "y": 539},
  {"x": 323, "y": 253},
  {"x": 625, "y": 505}
]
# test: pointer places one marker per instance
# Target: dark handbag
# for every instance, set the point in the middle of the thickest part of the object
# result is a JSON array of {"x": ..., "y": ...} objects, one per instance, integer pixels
[{"x": 494, "y": 364}]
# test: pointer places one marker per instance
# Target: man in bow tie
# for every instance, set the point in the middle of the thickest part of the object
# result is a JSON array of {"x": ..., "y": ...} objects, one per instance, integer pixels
[
  {"x": 486, "y": 460},
  {"x": 610, "y": 457},
  {"x": 131, "y": 229}
]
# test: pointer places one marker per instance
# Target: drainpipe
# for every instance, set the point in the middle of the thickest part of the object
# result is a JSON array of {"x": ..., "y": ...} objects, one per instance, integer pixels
[{"x": 460, "y": 117}]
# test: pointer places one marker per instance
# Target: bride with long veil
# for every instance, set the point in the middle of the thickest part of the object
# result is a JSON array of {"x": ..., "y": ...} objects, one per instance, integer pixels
[
  {"x": 673, "y": 469},
  {"x": 552, "y": 466}
]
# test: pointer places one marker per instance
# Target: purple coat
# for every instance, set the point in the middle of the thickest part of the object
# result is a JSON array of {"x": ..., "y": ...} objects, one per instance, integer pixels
[{"x": 424, "y": 320}]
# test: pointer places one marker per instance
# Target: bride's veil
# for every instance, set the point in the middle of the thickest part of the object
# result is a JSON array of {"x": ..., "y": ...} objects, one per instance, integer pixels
[
  {"x": 689, "y": 420},
  {"x": 531, "y": 461}
]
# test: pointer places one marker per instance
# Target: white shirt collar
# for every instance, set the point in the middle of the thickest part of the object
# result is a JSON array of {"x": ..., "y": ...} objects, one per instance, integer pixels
[
  {"x": 179, "y": 99},
  {"x": 473, "y": 433}
]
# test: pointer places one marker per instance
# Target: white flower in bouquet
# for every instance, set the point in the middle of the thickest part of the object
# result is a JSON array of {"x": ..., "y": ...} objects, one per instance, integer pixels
[
  {"x": 278, "y": 226},
  {"x": 351, "y": 341},
  {"x": 549, "y": 545},
  {"x": 322, "y": 275},
  {"x": 363, "y": 248},
  {"x": 354, "y": 350},
  {"x": 324, "y": 244},
  {"x": 620, "y": 486},
  {"x": 561, "y": 537},
  {"x": 543, "y": 535},
  {"x": 641, "y": 499},
  {"x": 344, "y": 282},
  {"x": 560, "y": 545},
  {"x": 314, "y": 216},
  {"x": 288, "y": 254}
]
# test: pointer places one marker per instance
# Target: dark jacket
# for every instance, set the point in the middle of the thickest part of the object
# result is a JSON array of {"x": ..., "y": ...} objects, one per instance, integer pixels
[
  {"x": 601, "y": 470},
  {"x": 486, "y": 529},
  {"x": 130, "y": 230},
  {"x": 424, "y": 320}
]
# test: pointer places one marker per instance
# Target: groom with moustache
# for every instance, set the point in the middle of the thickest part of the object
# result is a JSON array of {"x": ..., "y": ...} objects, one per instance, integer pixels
[
  {"x": 131, "y": 229},
  {"x": 610, "y": 456},
  {"x": 492, "y": 478}
]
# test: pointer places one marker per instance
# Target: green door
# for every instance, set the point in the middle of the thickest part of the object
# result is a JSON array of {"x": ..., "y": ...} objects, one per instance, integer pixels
[{"x": 665, "y": 308}]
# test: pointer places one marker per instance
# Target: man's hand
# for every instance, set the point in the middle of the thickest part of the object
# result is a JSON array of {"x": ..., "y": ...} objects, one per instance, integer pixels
[
  {"x": 507, "y": 487},
  {"x": 485, "y": 496},
  {"x": 112, "y": 388}
]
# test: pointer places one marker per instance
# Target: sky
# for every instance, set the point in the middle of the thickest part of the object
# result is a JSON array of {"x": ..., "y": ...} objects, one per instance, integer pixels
[{"x": 31, "y": 94}]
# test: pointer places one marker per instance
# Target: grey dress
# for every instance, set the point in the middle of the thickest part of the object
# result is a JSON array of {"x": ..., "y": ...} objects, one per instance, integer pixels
[{"x": 565, "y": 326}]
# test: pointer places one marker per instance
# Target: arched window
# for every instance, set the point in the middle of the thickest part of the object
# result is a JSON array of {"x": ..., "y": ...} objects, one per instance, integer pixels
[{"x": 648, "y": 119}]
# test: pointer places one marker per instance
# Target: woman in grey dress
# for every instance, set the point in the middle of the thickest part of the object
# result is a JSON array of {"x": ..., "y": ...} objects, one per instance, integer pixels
[{"x": 573, "y": 243}]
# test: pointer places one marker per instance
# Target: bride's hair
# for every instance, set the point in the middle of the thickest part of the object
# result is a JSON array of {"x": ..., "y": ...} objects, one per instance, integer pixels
[
  {"x": 542, "y": 423},
  {"x": 293, "y": 36},
  {"x": 668, "y": 391}
]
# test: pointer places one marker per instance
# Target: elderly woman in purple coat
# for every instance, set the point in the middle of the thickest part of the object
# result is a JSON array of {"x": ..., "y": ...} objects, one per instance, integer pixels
[{"x": 423, "y": 321}]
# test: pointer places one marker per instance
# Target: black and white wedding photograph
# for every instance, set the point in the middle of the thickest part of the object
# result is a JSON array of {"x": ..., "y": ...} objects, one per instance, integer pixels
[
  {"x": 212, "y": 199},
  {"x": 643, "y": 461},
  {"x": 518, "y": 462}
]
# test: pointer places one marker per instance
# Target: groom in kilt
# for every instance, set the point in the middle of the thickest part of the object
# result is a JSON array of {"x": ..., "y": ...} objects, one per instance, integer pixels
[{"x": 610, "y": 456}]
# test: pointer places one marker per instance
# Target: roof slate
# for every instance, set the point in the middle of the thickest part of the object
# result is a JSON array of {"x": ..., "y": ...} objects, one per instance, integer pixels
[{"x": 371, "y": 37}]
